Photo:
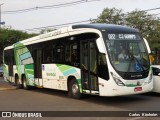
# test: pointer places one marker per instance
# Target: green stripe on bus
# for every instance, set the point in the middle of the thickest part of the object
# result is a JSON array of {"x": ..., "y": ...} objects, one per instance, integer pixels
[
  {"x": 58, "y": 65},
  {"x": 80, "y": 85},
  {"x": 30, "y": 66},
  {"x": 132, "y": 85},
  {"x": 30, "y": 72},
  {"x": 64, "y": 68},
  {"x": 18, "y": 45}
]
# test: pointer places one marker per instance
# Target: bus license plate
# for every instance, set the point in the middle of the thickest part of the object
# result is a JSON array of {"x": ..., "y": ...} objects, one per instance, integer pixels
[{"x": 137, "y": 89}]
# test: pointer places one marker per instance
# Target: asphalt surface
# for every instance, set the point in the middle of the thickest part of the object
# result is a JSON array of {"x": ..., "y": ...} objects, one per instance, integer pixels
[
  {"x": 5, "y": 85},
  {"x": 12, "y": 99}
]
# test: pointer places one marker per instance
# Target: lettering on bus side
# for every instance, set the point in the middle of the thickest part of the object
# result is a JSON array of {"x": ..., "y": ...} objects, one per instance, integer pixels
[
  {"x": 51, "y": 74},
  {"x": 61, "y": 77},
  {"x": 58, "y": 32}
]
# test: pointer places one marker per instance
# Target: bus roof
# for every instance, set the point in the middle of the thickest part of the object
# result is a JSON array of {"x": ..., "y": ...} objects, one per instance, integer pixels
[
  {"x": 111, "y": 28},
  {"x": 108, "y": 27},
  {"x": 8, "y": 47}
]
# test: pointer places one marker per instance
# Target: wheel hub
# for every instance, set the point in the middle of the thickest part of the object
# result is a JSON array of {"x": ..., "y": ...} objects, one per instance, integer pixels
[
  {"x": 24, "y": 83},
  {"x": 74, "y": 89}
]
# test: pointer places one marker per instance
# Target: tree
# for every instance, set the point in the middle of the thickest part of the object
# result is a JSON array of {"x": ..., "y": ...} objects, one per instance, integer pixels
[
  {"x": 46, "y": 30},
  {"x": 9, "y": 37},
  {"x": 147, "y": 24},
  {"x": 110, "y": 16}
]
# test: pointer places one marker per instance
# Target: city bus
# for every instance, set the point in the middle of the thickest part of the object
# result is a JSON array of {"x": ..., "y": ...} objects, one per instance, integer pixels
[{"x": 82, "y": 59}]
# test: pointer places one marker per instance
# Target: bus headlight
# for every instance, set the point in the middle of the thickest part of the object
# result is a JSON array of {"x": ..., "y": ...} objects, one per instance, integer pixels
[
  {"x": 150, "y": 78},
  {"x": 117, "y": 80}
]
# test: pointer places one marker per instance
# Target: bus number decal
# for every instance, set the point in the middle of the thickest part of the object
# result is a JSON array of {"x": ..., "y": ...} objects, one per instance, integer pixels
[
  {"x": 51, "y": 74},
  {"x": 111, "y": 36}
]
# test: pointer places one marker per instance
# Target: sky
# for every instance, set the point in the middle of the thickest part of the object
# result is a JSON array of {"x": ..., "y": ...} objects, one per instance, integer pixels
[{"x": 62, "y": 15}]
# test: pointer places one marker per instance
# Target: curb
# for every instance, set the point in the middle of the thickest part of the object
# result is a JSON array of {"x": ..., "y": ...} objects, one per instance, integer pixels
[
  {"x": 7, "y": 89},
  {"x": 6, "y": 86}
]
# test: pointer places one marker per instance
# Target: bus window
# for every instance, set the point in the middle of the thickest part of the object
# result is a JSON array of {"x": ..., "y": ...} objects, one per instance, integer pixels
[
  {"x": 54, "y": 53},
  {"x": 10, "y": 62},
  {"x": 93, "y": 58},
  {"x": 102, "y": 67},
  {"x": 85, "y": 55},
  {"x": 68, "y": 53},
  {"x": 47, "y": 54},
  {"x": 74, "y": 56},
  {"x": 59, "y": 53},
  {"x": 93, "y": 66},
  {"x": 6, "y": 57}
]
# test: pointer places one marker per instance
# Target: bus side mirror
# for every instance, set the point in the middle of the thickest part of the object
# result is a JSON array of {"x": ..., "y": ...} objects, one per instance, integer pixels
[{"x": 100, "y": 45}]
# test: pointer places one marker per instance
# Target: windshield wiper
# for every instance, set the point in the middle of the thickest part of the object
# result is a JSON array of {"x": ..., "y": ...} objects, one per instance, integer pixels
[
  {"x": 138, "y": 63},
  {"x": 132, "y": 58}
]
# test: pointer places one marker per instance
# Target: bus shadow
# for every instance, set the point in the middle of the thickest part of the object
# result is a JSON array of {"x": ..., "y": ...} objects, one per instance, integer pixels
[
  {"x": 151, "y": 94},
  {"x": 54, "y": 92},
  {"x": 139, "y": 102},
  {"x": 118, "y": 100}
]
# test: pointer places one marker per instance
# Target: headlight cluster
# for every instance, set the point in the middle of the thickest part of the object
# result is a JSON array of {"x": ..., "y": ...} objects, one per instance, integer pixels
[{"x": 117, "y": 80}]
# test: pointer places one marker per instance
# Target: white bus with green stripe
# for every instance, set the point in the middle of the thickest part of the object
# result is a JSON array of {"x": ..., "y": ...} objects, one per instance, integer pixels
[{"x": 82, "y": 59}]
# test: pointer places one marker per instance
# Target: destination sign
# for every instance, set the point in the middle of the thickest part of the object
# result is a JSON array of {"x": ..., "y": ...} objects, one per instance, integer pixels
[{"x": 123, "y": 37}]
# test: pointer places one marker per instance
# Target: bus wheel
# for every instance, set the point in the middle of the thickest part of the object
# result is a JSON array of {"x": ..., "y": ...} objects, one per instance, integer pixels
[
  {"x": 25, "y": 86},
  {"x": 17, "y": 82},
  {"x": 74, "y": 91}
]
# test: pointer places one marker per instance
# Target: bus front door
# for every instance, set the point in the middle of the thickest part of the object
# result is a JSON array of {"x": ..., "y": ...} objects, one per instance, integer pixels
[{"x": 89, "y": 67}]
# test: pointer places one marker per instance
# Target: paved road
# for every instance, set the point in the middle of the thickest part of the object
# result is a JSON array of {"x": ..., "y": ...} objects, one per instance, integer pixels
[{"x": 53, "y": 100}]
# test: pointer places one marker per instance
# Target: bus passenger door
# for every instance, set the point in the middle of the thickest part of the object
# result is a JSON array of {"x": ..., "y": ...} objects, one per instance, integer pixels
[
  {"x": 38, "y": 63},
  {"x": 89, "y": 67}
]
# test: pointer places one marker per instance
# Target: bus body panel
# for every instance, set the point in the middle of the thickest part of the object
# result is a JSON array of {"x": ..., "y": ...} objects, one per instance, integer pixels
[
  {"x": 55, "y": 75},
  {"x": 24, "y": 62},
  {"x": 110, "y": 88}
]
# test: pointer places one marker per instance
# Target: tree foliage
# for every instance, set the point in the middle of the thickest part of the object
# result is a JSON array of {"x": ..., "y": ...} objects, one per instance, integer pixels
[
  {"x": 46, "y": 30},
  {"x": 110, "y": 16},
  {"x": 147, "y": 24},
  {"x": 9, "y": 37}
]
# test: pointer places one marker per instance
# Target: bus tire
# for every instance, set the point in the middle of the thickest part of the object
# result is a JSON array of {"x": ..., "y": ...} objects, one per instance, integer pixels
[
  {"x": 17, "y": 82},
  {"x": 25, "y": 86},
  {"x": 74, "y": 90}
]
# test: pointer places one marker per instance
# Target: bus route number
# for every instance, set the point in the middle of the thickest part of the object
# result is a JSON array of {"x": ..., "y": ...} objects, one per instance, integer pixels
[{"x": 111, "y": 36}]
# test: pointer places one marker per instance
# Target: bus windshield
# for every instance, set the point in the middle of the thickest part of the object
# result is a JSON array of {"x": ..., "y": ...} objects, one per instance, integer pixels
[{"x": 127, "y": 52}]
